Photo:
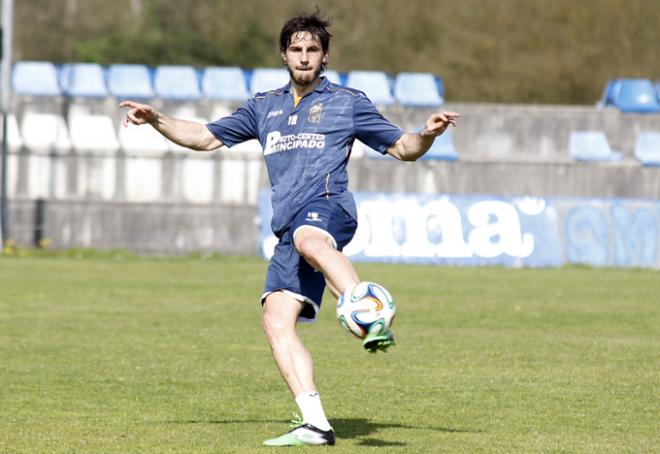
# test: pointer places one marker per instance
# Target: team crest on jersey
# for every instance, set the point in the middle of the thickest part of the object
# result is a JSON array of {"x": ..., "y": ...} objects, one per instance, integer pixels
[{"x": 315, "y": 113}]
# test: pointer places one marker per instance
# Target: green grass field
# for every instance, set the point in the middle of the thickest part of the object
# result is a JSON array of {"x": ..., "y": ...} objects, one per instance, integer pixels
[{"x": 109, "y": 353}]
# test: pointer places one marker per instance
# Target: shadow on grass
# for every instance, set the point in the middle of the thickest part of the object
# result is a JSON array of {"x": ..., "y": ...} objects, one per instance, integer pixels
[
  {"x": 360, "y": 427},
  {"x": 346, "y": 428}
]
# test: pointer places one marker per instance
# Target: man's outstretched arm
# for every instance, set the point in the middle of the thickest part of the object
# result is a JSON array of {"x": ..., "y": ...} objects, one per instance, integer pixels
[
  {"x": 411, "y": 146},
  {"x": 185, "y": 133}
]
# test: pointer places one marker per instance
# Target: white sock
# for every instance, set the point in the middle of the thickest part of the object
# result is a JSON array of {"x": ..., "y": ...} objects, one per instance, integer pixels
[{"x": 312, "y": 410}]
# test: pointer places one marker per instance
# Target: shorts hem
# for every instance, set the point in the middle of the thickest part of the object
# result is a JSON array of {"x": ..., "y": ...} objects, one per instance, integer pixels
[
  {"x": 297, "y": 297},
  {"x": 307, "y": 226}
]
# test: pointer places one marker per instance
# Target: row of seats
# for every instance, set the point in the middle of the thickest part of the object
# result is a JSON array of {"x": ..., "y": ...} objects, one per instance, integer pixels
[
  {"x": 631, "y": 95},
  {"x": 593, "y": 146},
  {"x": 47, "y": 133},
  {"x": 185, "y": 83}
]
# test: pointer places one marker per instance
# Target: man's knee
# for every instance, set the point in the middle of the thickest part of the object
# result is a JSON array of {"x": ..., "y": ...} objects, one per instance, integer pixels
[
  {"x": 280, "y": 313},
  {"x": 310, "y": 243}
]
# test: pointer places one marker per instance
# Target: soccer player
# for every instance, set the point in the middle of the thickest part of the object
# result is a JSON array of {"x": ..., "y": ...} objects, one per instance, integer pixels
[{"x": 306, "y": 129}]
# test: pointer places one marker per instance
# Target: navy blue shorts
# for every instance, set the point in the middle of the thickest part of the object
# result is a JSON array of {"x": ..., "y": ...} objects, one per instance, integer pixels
[{"x": 289, "y": 272}]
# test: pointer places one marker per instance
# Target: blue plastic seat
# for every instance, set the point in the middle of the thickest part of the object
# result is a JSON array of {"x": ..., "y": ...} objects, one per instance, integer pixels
[
  {"x": 35, "y": 78},
  {"x": 83, "y": 79},
  {"x": 591, "y": 146},
  {"x": 177, "y": 83},
  {"x": 637, "y": 96},
  {"x": 266, "y": 79},
  {"x": 417, "y": 90},
  {"x": 610, "y": 92},
  {"x": 373, "y": 83},
  {"x": 443, "y": 148},
  {"x": 224, "y": 84},
  {"x": 647, "y": 148},
  {"x": 130, "y": 81}
]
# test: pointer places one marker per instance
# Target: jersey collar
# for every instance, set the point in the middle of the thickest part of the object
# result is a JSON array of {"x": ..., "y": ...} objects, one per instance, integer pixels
[{"x": 319, "y": 88}]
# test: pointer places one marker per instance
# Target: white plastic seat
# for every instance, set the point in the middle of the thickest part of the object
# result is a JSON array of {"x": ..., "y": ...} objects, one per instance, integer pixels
[
  {"x": 93, "y": 133},
  {"x": 362, "y": 150},
  {"x": 591, "y": 146},
  {"x": 177, "y": 83},
  {"x": 219, "y": 111},
  {"x": 417, "y": 90},
  {"x": 130, "y": 81},
  {"x": 647, "y": 148},
  {"x": 84, "y": 80},
  {"x": 266, "y": 79},
  {"x": 224, "y": 84},
  {"x": 14, "y": 139},
  {"x": 142, "y": 140},
  {"x": 35, "y": 78},
  {"x": 45, "y": 132},
  {"x": 373, "y": 83}
]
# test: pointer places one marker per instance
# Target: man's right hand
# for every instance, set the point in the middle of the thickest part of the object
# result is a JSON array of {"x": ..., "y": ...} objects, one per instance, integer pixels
[{"x": 139, "y": 114}]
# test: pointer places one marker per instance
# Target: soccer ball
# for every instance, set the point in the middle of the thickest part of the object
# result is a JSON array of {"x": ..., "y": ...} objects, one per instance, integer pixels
[{"x": 368, "y": 310}]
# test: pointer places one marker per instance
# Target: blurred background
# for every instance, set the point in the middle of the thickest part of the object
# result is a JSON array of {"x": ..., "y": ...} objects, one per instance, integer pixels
[{"x": 513, "y": 51}]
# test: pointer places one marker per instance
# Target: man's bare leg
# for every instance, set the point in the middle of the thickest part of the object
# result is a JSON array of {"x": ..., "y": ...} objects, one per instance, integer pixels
[{"x": 319, "y": 251}]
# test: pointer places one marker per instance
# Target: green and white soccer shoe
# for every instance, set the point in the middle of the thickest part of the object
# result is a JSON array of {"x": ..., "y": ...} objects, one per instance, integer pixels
[
  {"x": 303, "y": 434},
  {"x": 379, "y": 342}
]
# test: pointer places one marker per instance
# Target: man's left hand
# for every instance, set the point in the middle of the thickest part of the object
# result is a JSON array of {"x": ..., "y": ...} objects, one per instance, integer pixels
[{"x": 438, "y": 122}]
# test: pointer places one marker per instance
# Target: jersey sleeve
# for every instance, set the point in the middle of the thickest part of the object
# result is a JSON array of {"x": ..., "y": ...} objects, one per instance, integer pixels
[
  {"x": 372, "y": 128},
  {"x": 238, "y": 127}
]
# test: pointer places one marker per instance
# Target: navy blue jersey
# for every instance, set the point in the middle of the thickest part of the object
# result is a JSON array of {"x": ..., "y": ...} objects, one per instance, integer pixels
[{"x": 306, "y": 147}]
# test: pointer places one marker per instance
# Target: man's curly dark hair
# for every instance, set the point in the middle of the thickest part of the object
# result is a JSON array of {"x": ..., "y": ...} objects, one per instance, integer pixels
[{"x": 314, "y": 23}]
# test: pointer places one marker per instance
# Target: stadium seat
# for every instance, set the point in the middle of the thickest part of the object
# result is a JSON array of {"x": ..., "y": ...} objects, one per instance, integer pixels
[
  {"x": 333, "y": 76},
  {"x": 591, "y": 146},
  {"x": 141, "y": 140},
  {"x": 636, "y": 96},
  {"x": 224, "y": 84},
  {"x": 443, "y": 148},
  {"x": 247, "y": 148},
  {"x": 266, "y": 79},
  {"x": 219, "y": 111},
  {"x": 84, "y": 80},
  {"x": 647, "y": 148},
  {"x": 417, "y": 90},
  {"x": 610, "y": 91},
  {"x": 93, "y": 133},
  {"x": 35, "y": 78},
  {"x": 130, "y": 82},
  {"x": 362, "y": 150},
  {"x": 14, "y": 139},
  {"x": 177, "y": 83},
  {"x": 45, "y": 132},
  {"x": 373, "y": 83}
]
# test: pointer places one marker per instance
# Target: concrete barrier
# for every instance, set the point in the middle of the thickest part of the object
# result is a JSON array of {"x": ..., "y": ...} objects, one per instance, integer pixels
[{"x": 179, "y": 203}]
